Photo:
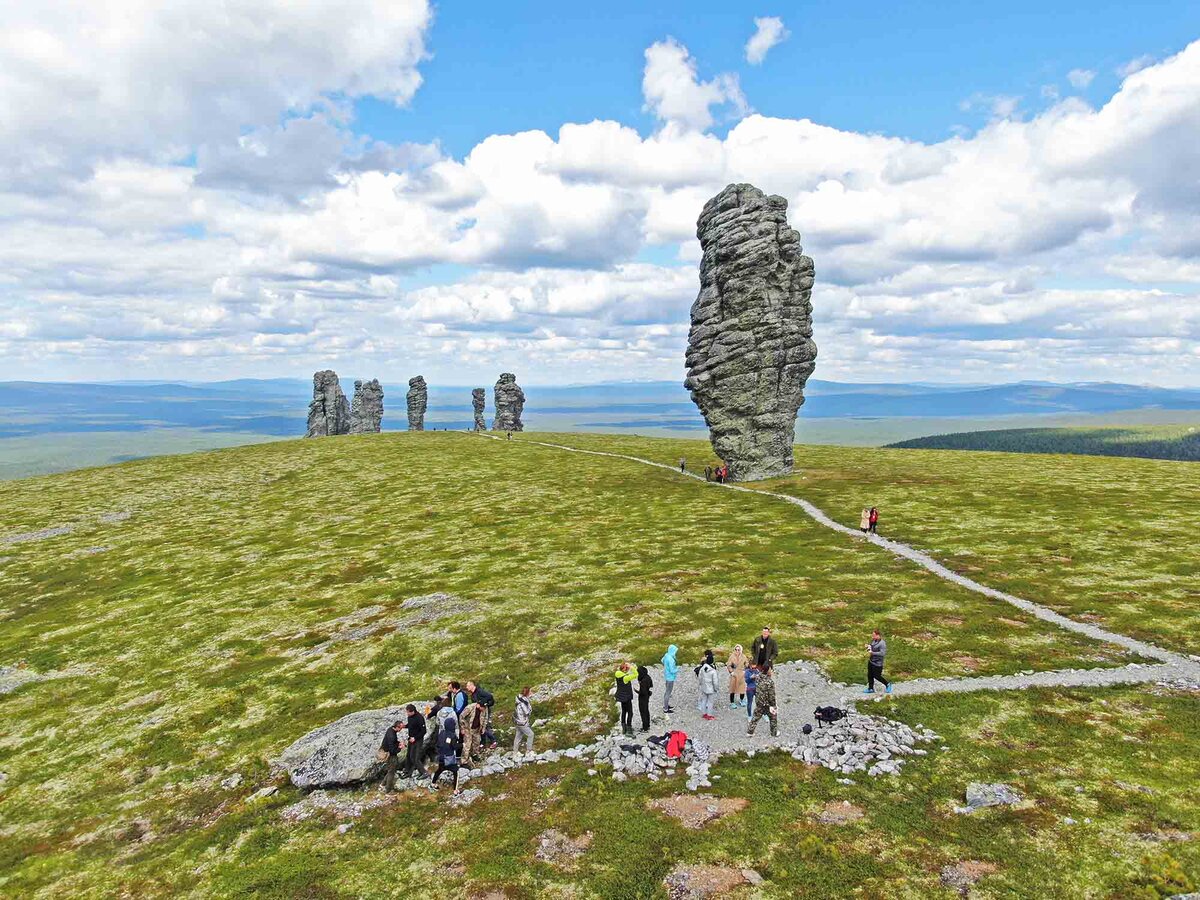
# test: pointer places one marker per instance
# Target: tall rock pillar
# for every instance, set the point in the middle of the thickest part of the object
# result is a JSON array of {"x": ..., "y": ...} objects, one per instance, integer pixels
[{"x": 510, "y": 402}]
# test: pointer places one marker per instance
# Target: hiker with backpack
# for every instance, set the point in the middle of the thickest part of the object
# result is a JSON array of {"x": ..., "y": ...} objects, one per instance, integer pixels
[
  {"x": 391, "y": 747},
  {"x": 447, "y": 751},
  {"x": 485, "y": 699},
  {"x": 521, "y": 721},
  {"x": 624, "y": 677},
  {"x": 670, "y": 673},
  {"x": 764, "y": 702},
  {"x": 876, "y": 651},
  {"x": 458, "y": 698},
  {"x": 416, "y": 742},
  {"x": 645, "y": 687},
  {"x": 706, "y": 676}
]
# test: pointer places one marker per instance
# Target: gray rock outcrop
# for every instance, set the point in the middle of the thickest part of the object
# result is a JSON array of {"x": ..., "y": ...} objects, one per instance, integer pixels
[
  {"x": 418, "y": 400},
  {"x": 366, "y": 411},
  {"x": 750, "y": 347},
  {"x": 478, "y": 397},
  {"x": 342, "y": 752},
  {"x": 329, "y": 411},
  {"x": 510, "y": 402}
]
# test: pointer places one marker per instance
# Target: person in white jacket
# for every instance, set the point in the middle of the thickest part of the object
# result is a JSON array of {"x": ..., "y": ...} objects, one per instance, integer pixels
[
  {"x": 521, "y": 721},
  {"x": 706, "y": 674}
]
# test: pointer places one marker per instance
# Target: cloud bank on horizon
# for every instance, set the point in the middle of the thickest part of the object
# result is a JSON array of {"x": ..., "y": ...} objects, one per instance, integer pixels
[{"x": 184, "y": 195}]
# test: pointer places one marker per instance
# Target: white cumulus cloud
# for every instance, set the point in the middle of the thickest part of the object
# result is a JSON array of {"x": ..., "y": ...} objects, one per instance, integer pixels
[
  {"x": 675, "y": 94},
  {"x": 768, "y": 31}
]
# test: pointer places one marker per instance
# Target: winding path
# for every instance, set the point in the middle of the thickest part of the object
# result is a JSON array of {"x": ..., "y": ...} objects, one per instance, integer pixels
[{"x": 1171, "y": 667}]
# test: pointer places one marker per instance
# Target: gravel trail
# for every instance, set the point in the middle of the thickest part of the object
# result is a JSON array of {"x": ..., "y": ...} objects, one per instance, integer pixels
[{"x": 1174, "y": 666}]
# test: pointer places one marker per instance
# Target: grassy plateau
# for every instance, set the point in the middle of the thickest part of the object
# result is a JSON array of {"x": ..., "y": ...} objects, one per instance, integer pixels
[{"x": 177, "y": 599}]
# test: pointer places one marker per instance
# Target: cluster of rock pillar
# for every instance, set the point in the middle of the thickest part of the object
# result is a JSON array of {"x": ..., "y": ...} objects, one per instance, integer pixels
[
  {"x": 330, "y": 413},
  {"x": 750, "y": 348}
]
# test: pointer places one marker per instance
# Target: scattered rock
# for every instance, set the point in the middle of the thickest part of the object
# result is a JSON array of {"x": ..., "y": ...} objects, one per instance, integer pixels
[
  {"x": 344, "y": 827},
  {"x": 88, "y": 551},
  {"x": 560, "y": 849},
  {"x": 262, "y": 793},
  {"x": 329, "y": 411},
  {"x": 1165, "y": 836},
  {"x": 697, "y": 810},
  {"x": 339, "y": 804},
  {"x": 13, "y": 677},
  {"x": 843, "y": 813},
  {"x": 366, "y": 411},
  {"x": 961, "y": 876},
  {"x": 700, "y": 882},
  {"x": 466, "y": 798},
  {"x": 750, "y": 347},
  {"x": 478, "y": 397},
  {"x": 342, "y": 752},
  {"x": 981, "y": 795},
  {"x": 509, "y": 401},
  {"x": 232, "y": 782},
  {"x": 418, "y": 400}
]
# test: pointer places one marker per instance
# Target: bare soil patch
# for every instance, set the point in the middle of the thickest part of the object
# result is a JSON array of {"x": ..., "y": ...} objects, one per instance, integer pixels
[
  {"x": 560, "y": 849},
  {"x": 697, "y": 810},
  {"x": 970, "y": 663},
  {"x": 702, "y": 882},
  {"x": 839, "y": 813},
  {"x": 961, "y": 876}
]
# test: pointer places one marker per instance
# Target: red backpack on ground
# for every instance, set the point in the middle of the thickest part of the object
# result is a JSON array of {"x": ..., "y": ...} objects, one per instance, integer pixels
[{"x": 676, "y": 741}]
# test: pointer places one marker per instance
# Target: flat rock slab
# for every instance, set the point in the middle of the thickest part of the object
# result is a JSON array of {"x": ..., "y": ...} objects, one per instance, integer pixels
[
  {"x": 697, "y": 810},
  {"x": 839, "y": 813},
  {"x": 701, "y": 882},
  {"x": 561, "y": 849},
  {"x": 981, "y": 795},
  {"x": 342, "y": 752}
]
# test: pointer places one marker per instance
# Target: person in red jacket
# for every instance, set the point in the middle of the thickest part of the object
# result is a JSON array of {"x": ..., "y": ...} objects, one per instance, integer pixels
[{"x": 873, "y": 520}]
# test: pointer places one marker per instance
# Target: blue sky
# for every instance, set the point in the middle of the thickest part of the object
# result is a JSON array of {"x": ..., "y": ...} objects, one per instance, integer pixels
[{"x": 261, "y": 188}]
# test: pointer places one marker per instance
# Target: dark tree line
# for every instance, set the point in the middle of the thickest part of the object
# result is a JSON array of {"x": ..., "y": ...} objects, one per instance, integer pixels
[{"x": 1183, "y": 446}]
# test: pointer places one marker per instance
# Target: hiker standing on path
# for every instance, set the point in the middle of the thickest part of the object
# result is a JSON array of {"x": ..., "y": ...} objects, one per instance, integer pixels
[
  {"x": 391, "y": 746},
  {"x": 458, "y": 699},
  {"x": 447, "y": 751},
  {"x": 751, "y": 676},
  {"x": 670, "y": 673},
  {"x": 625, "y": 677},
  {"x": 873, "y": 520},
  {"x": 706, "y": 675},
  {"x": 416, "y": 742},
  {"x": 764, "y": 702},
  {"x": 737, "y": 678},
  {"x": 764, "y": 650},
  {"x": 645, "y": 687},
  {"x": 864, "y": 521},
  {"x": 521, "y": 718},
  {"x": 682, "y": 464},
  {"x": 485, "y": 699},
  {"x": 708, "y": 473},
  {"x": 471, "y": 728},
  {"x": 876, "y": 651}
]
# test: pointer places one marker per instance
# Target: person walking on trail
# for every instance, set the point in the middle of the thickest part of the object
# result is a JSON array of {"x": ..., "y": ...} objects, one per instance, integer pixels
[
  {"x": 864, "y": 521},
  {"x": 764, "y": 702},
  {"x": 670, "y": 673},
  {"x": 764, "y": 650},
  {"x": 736, "y": 667},
  {"x": 447, "y": 752},
  {"x": 682, "y": 464},
  {"x": 521, "y": 720},
  {"x": 708, "y": 473},
  {"x": 876, "y": 651},
  {"x": 706, "y": 675},
  {"x": 485, "y": 699},
  {"x": 471, "y": 729},
  {"x": 416, "y": 742},
  {"x": 751, "y": 676},
  {"x": 873, "y": 520},
  {"x": 625, "y": 677},
  {"x": 391, "y": 746},
  {"x": 645, "y": 687}
]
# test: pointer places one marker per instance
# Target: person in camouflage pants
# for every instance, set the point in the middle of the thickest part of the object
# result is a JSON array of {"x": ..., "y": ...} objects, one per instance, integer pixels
[{"x": 764, "y": 701}]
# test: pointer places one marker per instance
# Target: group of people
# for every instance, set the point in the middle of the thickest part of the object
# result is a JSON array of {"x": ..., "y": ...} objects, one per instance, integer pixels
[
  {"x": 750, "y": 684},
  {"x": 869, "y": 520},
  {"x": 454, "y": 730},
  {"x": 720, "y": 474}
]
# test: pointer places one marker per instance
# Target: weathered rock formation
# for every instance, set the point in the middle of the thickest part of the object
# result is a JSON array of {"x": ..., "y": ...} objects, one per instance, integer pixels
[
  {"x": 342, "y": 752},
  {"x": 478, "y": 396},
  {"x": 510, "y": 402},
  {"x": 329, "y": 411},
  {"x": 418, "y": 400},
  {"x": 750, "y": 348},
  {"x": 366, "y": 412}
]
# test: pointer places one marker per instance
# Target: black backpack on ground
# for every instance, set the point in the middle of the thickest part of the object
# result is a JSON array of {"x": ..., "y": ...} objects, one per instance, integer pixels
[{"x": 828, "y": 714}]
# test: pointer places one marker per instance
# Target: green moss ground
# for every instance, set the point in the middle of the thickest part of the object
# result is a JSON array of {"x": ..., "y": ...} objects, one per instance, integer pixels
[{"x": 189, "y": 631}]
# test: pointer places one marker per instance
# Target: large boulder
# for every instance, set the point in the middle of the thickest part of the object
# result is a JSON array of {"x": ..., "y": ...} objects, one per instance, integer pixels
[
  {"x": 750, "y": 347},
  {"x": 342, "y": 752},
  {"x": 418, "y": 400},
  {"x": 510, "y": 402},
  {"x": 329, "y": 411},
  {"x": 478, "y": 397},
  {"x": 366, "y": 410}
]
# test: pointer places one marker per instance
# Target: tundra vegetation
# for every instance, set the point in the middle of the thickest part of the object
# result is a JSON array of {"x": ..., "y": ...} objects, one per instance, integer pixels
[{"x": 186, "y": 606}]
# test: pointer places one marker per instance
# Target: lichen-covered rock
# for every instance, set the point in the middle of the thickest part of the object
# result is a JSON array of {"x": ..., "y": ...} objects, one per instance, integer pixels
[
  {"x": 418, "y": 400},
  {"x": 366, "y": 411},
  {"x": 478, "y": 396},
  {"x": 750, "y": 347},
  {"x": 510, "y": 402},
  {"x": 342, "y": 752},
  {"x": 329, "y": 411}
]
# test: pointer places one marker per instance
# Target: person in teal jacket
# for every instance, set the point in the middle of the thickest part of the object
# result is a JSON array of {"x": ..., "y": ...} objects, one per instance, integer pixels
[{"x": 670, "y": 671}]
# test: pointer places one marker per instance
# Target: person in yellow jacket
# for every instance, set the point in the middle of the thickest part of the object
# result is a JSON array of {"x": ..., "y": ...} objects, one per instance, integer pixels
[{"x": 625, "y": 676}]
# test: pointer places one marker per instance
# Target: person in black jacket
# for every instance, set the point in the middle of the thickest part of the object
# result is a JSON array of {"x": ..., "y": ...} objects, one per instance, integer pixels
[
  {"x": 644, "y": 689},
  {"x": 624, "y": 677},
  {"x": 484, "y": 698},
  {"x": 391, "y": 745},
  {"x": 416, "y": 742}
]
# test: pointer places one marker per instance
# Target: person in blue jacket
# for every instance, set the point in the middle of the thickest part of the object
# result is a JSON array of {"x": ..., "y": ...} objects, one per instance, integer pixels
[{"x": 670, "y": 671}]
